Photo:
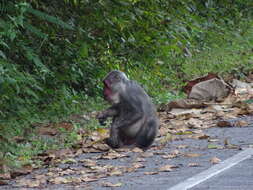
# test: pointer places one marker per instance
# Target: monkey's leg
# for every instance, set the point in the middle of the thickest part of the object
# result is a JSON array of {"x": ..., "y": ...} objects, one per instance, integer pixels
[
  {"x": 147, "y": 134},
  {"x": 114, "y": 140}
]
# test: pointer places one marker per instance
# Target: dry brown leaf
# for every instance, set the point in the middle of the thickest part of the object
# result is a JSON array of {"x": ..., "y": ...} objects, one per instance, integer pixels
[
  {"x": 5, "y": 176},
  {"x": 151, "y": 173},
  {"x": 167, "y": 168},
  {"x": 163, "y": 130},
  {"x": 138, "y": 165},
  {"x": 115, "y": 172},
  {"x": 76, "y": 180},
  {"x": 192, "y": 155},
  {"x": 193, "y": 164},
  {"x": 228, "y": 145},
  {"x": 241, "y": 123},
  {"x": 89, "y": 178},
  {"x": 184, "y": 104},
  {"x": 18, "y": 139},
  {"x": 194, "y": 123},
  {"x": 201, "y": 136},
  {"x": 139, "y": 160},
  {"x": 51, "y": 174},
  {"x": 28, "y": 183},
  {"x": 66, "y": 172},
  {"x": 112, "y": 155},
  {"x": 129, "y": 169},
  {"x": 102, "y": 147},
  {"x": 224, "y": 124},
  {"x": 88, "y": 162},
  {"x": 47, "y": 130},
  {"x": 22, "y": 171},
  {"x": 109, "y": 184},
  {"x": 169, "y": 156},
  {"x": 59, "y": 180},
  {"x": 147, "y": 154},
  {"x": 215, "y": 160},
  {"x": 182, "y": 146},
  {"x": 2, "y": 182},
  {"x": 136, "y": 149},
  {"x": 187, "y": 89}
]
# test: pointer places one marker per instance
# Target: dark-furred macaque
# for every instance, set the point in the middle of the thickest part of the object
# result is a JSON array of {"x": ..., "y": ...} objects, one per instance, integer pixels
[{"x": 134, "y": 120}]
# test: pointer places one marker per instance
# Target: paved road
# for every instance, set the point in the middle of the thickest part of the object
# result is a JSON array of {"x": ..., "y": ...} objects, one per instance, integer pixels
[{"x": 239, "y": 177}]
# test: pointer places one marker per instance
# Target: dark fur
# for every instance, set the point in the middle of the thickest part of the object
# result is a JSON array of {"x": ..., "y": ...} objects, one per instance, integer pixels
[{"x": 134, "y": 117}]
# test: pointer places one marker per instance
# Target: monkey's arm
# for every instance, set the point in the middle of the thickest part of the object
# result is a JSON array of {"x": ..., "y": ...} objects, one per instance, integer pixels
[{"x": 110, "y": 112}]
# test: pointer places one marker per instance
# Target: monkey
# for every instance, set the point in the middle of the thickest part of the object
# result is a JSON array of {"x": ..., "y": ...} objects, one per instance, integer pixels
[{"x": 134, "y": 120}]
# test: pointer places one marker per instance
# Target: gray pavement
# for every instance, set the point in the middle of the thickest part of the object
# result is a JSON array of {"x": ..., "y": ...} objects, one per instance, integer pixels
[{"x": 239, "y": 177}]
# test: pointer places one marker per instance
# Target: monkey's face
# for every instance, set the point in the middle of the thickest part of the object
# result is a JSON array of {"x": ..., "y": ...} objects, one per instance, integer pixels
[
  {"x": 111, "y": 94},
  {"x": 113, "y": 84}
]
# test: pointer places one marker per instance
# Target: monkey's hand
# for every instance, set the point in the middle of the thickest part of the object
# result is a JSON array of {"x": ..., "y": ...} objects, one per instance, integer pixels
[{"x": 102, "y": 119}]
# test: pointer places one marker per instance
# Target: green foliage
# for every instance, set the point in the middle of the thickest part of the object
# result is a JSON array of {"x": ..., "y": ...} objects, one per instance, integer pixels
[{"x": 53, "y": 54}]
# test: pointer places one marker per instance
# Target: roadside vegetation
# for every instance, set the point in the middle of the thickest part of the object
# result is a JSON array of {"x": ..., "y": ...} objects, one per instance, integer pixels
[{"x": 53, "y": 55}]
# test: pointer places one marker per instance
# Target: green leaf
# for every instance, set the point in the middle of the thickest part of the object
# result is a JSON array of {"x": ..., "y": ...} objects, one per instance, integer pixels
[
  {"x": 49, "y": 18},
  {"x": 35, "y": 30},
  {"x": 84, "y": 51}
]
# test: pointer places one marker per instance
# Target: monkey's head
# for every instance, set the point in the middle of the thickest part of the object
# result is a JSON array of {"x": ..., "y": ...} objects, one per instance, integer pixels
[{"x": 114, "y": 85}]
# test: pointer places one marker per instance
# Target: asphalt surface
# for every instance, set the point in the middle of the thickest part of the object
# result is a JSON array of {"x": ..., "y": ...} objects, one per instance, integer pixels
[{"x": 239, "y": 177}]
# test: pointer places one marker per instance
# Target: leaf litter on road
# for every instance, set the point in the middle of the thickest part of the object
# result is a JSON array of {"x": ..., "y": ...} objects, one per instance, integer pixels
[{"x": 176, "y": 124}]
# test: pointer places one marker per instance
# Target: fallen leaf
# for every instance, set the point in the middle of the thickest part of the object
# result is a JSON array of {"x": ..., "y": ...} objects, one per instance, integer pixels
[
  {"x": 136, "y": 149},
  {"x": 89, "y": 178},
  {"x": 88, "y": 162},
  {"x": 28, "y": 183},
  {"x": 147, "y": 154},
  {"x": 59, "y": 180},
  {"x": 183, "y": 104},
  {"x": 102, "y": 147},
  {"x": 241, "y": 123},
  {"x": 213, "y": 140},
  {"x": 18, "y": 139},
  {"x": 139, "y": 160},
  {"x": 5, "y": 175},
  {"x": 115, "y": 172},
  {"x": 138, "y": 165},
  {"x": 215, "y": 160},
  {"x": 66, "y": 172},
  {"x": 182, "y": 146},
  {"x": 184, "y": 133},
  {"x": 214, "y": 146},
  {"x": 112, "y": 155},
  {"x": 169, "y": 156},
  {"x": 167, "y": 138},
  {"x": 47, "y": 130},
  {"x": 187, "y": 89},
  {"x": 109, "y": 184},
  {"x": 192, "y": 155},
  {"x": 69, "y": 161},
  {"x": 202, "y": 136},
  {"x": 22, "y": 171},
  {"x": 150, "y": 173},
  {"x": 2, "y": 182},
  {"x": 167, "y": 168},
  {"x": 224, "y": 124},
  {"x": 193, "y": 164}
]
